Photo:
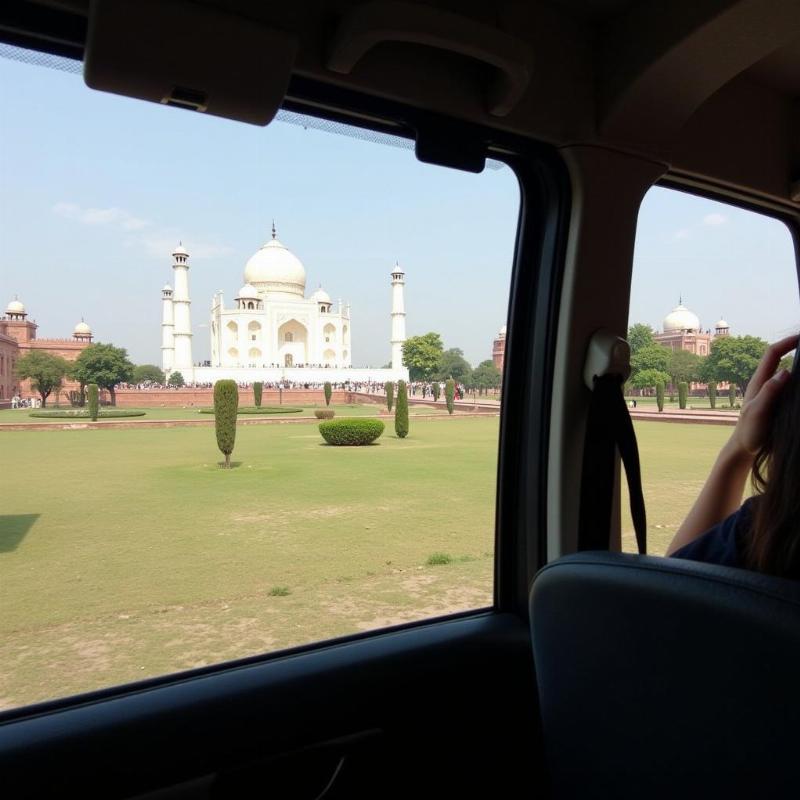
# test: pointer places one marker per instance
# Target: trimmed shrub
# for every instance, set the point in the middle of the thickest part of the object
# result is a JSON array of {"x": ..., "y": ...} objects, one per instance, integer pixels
[
  {"x": 450, "y": 394},
  {"x": 660, "y": 395},
  {"x": 258, "y": 389},
  {"x": 279, "y": 591},
  {"x": 683, "y": 393},
  {"x": 401, "y": 411},
  {"x": 82, "y": 413},
  {"x": 436, "y": 388},
  {"x": 324, "y": 413},
  {"x": 94, "y": 400},
  {"x": 261, "y": 411},
  {"x": 351, "y": 432},
  {"x": 328, "y": 391},
  {"x": 439, "y": 559},
  {"x": 712, "y": 394},
  {"x": 389, "y": 389},
  {"x": 732, "y": 395},
  {"x": 226, "y": 404}
]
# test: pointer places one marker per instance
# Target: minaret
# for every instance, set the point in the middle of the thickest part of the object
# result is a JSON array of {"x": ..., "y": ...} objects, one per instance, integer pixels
[
  {"x": 182, "y": 332},
  {"x": 167, "y": 330},
  {"x": 398, "y": 316}
]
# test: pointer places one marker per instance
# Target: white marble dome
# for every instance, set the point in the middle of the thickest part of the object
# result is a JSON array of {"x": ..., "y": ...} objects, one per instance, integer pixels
[
  {"x": 681, "y": 319},
  {"x": 248, "y": 292},
  {"x": 82, "y": 329},
  {"x": 502, "y": 333},
  {"x": 15, "y": 307},
  {"x": 721, "y": 323},
  {"x": 321, "y": 296},
  {"x": 274, "y": 268},
  {"x": 180, "y": 250}
]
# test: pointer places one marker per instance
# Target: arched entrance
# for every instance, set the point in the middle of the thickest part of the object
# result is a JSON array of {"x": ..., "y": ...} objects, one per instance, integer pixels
[{"x": 292, "y": 341}]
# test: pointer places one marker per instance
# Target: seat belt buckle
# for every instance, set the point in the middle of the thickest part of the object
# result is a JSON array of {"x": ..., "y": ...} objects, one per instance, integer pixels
[{"x": 607, "y": 354}]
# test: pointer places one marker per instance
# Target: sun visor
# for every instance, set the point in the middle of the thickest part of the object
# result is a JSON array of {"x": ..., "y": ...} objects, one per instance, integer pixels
[{"x": 186, "y": 55}]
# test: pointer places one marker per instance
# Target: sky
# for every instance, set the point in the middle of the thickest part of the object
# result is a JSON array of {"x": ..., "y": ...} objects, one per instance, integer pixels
[{"x": 96, "y": 190}]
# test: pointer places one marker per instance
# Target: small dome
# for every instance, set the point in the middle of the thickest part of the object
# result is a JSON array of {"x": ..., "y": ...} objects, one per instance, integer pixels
[
  {"x": 321, "y": 296},
  {"x": 681, "y": 319},
  {"x": 180, "y": 250},
  {"x": 274, "y": 268},
  {"x": 398, "y": 268},
  {"x": 721, "y": 324},
  {"x": 502, "y": 332},
  {"x": 82, "y": 329},
  {"x": 248, "y": 292},
  {"x": 167, "y": 288},
  {"x": 15, "y": 307}
]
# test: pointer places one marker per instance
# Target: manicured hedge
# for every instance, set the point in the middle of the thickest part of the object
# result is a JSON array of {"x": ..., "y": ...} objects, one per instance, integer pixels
[
  {"x": 660, "y": 395},
  {"x": 712, "y": 394},
  {"x": 683, "y": 393},
  {"x": 93, "y": 394},
  {"x": 351, "y": 431},
  {"x": 388, "y": 387},
  {"x": 83, "y": 413},
  {"x": 401, "y": 411},
  {"x": 258, "y": 389},
  {"x": 324, "y": 413},
  {"x": 328, "y": 391},
  {"x": 260, "y": 410},
  {"x": 226, "y": 405}
]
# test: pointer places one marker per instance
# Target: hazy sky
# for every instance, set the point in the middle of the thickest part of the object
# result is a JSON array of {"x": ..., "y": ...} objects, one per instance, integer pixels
[{"x": 95, "y": 190}]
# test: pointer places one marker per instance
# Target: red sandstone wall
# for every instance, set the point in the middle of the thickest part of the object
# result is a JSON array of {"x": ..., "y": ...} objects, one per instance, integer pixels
[{"x": 156, "y": 398}]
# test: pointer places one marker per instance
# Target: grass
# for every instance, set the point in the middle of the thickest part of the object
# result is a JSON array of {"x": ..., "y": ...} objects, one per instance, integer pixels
[
  {"x": 23, "y": 415},
  {"x": 129, "y": 553}
]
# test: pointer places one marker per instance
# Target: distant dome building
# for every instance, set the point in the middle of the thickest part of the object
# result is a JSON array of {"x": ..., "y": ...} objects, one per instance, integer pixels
[
  {"x": 499, "y": 349},
  {"x": 681, "y": 330},
  {"x": 82, "y": 332},
  {"x": 273, "y": 332}
]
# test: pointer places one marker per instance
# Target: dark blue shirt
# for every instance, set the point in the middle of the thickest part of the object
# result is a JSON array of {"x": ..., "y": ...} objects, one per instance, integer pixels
[{"x": 724, "y": 543}]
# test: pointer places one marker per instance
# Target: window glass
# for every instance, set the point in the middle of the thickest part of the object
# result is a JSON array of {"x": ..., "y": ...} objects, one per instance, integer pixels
[
  {"x": 712, "y": 285},
  {"x": 155, "y": 252}
]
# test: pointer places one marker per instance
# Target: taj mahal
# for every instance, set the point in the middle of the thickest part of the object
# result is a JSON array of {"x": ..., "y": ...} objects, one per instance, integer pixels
[{"x": 273, "y": 332}]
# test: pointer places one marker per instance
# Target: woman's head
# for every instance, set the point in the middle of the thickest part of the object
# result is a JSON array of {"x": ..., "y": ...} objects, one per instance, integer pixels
[{"x": 774, "y": 545}]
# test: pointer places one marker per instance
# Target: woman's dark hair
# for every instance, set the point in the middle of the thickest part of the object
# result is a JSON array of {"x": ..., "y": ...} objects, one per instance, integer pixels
[{"x": 774, "y": 544}]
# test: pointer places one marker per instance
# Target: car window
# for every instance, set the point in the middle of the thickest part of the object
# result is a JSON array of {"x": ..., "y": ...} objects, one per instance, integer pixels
[
  {"x": 201, "y": 324},
  {"x": 712, "y": 284}
]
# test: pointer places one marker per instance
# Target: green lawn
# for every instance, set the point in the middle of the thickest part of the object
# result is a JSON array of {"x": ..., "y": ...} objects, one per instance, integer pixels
[
  {"x": 22, "y": 415},
  {"x": 129, "y": 553},
  {"x": 692, "y": 403}
]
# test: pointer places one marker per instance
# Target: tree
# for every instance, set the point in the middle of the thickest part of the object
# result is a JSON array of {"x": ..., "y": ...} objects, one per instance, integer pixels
[
  {"x": 732, "y": 395},
  {"x": 46, "y": 372},
  {"x": 436, "y": 389},
  {"x": 449, "y": 394},
  {"x": 176, "y": 380},
  {"x": 733, "y": 359},
  {"x": 226, "y": 407},
  {"x": 712, "y": 394},
  {"x": 684, "y": 366},
  {"x": 422, "y": 355},
  {"x": 94, "y": 401},
  {"x": 485, "y": 376},
  {"x": 258, "y": 389},
  {"x": 652, "y": 356},
  {"x": 147, "y": 373},
  {"x": 453, "y": 365},
  {"x": 389, "y": 389},
  {"x": 104, "y": 365},
  {"x": 401, "y": 411},
  {"x": 683, "y": 393},
  {"x": 639, "y": 336},
  {"x": 660, "y": 395},
  {"x": 328, "y": 391},
  {"x": 648, "y": 378}
]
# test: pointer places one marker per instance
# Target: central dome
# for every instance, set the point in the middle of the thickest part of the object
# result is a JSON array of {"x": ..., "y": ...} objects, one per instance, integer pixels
[
  {"x": 681, "y": 319},
  {"x": 275, "y": 269}
]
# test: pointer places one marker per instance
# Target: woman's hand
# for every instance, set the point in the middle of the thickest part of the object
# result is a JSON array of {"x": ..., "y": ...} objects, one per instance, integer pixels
[{"x": 759, "y": 400}]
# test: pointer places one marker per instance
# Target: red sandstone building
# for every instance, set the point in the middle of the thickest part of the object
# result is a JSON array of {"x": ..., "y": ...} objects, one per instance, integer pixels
[
  {"x": 18, "y": 337},
  {"x": 499, "y": 349},
  {"x": 682, "y": 331}
]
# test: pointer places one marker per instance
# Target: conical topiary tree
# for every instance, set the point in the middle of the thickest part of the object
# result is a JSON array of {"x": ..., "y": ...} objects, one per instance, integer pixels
[
  {"x": 389, "y": 389},
  {"x": 660, "y": 395},
  {"x": 94, "y": 400},
  {"x": 712, "y": 394},
  {"x": 401, "y": 411},
  {"x": 683, "y": 393},
  {"x": 258, "y": 388},
  {"x": 328, "y": 391},
  {"x": 226, "y": 406},
  {"x": 732, "y": 395},
  {"x": 450, "y": 394},
  {"x": 437, "y": 390}
]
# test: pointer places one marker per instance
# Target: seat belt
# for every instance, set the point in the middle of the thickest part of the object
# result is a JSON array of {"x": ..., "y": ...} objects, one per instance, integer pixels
[{"x": 608, "y": 429}]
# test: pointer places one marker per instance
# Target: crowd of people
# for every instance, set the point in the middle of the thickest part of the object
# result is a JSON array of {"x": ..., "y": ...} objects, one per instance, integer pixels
[{"x": 25, "y": 402}]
